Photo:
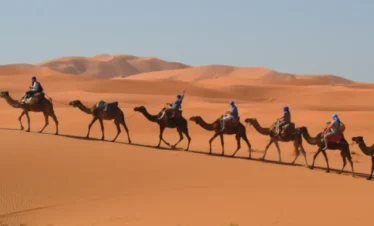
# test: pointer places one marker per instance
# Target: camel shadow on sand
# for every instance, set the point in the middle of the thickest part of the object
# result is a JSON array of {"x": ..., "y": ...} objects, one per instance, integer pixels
[{"x": 335, "y": 171}]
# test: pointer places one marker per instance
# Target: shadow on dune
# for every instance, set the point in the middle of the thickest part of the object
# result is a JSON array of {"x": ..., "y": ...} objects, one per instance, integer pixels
[{"x": 336, "y": 171}]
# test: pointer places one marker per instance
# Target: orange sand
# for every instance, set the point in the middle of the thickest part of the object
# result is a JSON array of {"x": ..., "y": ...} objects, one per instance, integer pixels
[{"x": 68, "y": 180}]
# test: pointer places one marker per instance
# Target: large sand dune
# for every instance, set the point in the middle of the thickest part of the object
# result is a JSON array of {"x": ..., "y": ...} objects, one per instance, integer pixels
[
  {"x": 68, "y": 180},
  {"x": 108, "y": 66},
  {"x": 219, "y": 75}
]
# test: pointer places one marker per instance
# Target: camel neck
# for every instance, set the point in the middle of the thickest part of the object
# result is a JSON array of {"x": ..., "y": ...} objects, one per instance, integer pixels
[
  {"x": 205, "y": 125},
  {"x": 309, "y": 139},
  {"x": 365, "y": 149},
  {"x": 12, "y": 102},
  {"x": 263, "y": 131},
  {"x": 84, "y": 109},
  {"x": 152, "y": 118}
]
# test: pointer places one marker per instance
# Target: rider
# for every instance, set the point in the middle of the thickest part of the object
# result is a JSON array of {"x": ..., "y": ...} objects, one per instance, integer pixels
[
  {"x": 334, "y": 129},
  {"x": 176, "y": 105},
  {"x": 284, "y": 120},
  {"x": 35, "y": 87},
  {"x": 233, "y": 113}
]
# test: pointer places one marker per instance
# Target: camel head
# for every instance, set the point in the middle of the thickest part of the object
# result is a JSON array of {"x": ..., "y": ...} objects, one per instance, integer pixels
[
  {"x": 358, "y": 139},
  {"x": 250, "y": 120},
  {"x": 75, "y": 103},
  {"x": 4, "y": 94},
  {"x": 140, "y": 109},
  {"x": 196, "y": 119}
]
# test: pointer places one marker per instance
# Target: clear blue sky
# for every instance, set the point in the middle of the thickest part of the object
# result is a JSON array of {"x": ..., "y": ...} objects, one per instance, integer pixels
[{"x": 297, "y": 36}]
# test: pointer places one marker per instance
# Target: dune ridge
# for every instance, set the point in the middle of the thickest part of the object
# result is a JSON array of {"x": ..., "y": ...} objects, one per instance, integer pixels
[
  {"x": 130, "y": 67},
  {"x": 106, "y": 66},
  {"x": 239, "y": 75}
]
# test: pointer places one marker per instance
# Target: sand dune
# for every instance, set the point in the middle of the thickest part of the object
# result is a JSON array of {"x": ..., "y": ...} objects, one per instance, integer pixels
[
  {"x": 228, "y": 75},
  {"x": 108, "y": 66},
  {"x": 69, "y": 180}
]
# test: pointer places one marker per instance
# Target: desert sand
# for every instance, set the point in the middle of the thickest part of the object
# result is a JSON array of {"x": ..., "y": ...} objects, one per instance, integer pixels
[{"x": 68, "y": 180}]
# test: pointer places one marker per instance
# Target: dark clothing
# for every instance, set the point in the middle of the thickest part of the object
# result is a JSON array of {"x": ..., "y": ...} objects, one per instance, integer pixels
[
  {"x": 36, "y": 86},
  {"x": 286, "y": 117},
  {"x": 234, "y": 111},
  {"x": 177, "y": 104}
]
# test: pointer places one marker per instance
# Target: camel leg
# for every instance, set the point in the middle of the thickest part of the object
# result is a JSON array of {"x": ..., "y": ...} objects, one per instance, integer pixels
[
  {"x": 185, "y": 131},
  {"x": 102, "y": 128},
  {"x": 180, "y": 137},
  {"x": 314, "y": 157},
  {"x": 162, "y": 139},
  {"x": 46, "y": 122},
  {"x": 266, "y": 149},
  {"x": 349, "y": 157},
  {"x": 278, "y": 149},
  {"x": 304, "y": 154},
  {"x": 20, "y": 119},
  {"x": 90, "y": 125},
  {"x": 222, "y": 144},
  {"x": 344, "y": 161},
  {"x": 127, "y": 131},
  {"x": 237, "y": 137},
  {"x": 118, "y": 131},
  {"x": 28, "y": 121},
  {"x": 327, "y": 160},
  {"x": 56, "y": 121},
  {"x": 210, "y": 142},
  {"x": 244, "y": 137},
  {"x": 297, "y": 152},
  {"x": 372, "y": 168}
]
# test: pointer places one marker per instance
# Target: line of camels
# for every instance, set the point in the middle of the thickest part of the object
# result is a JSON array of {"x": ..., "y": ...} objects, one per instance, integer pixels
[{"x": 290, "y": 134}]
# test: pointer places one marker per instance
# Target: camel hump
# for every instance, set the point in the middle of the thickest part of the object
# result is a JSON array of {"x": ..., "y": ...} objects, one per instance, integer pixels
[
  {"x": 35, "y": 99},
  {"x": 290, "y": 126},
  {"x": 106, "y": 106}
]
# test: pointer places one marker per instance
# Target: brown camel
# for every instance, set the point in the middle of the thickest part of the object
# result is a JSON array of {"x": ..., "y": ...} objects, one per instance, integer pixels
[
  {"x": 343, "y": 146},
  {"x": 366, "y": 150},
  {"x": 216, "y": 126},
  {"x": 44, "y": 105},
  {"x": 287, "y": 136},
  {"x": 114, "y": 112},
  {"x": 179, "y": 123}
]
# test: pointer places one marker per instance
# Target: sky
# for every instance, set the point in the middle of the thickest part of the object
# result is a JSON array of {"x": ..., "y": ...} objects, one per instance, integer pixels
[{"x": 294, "y": 36}]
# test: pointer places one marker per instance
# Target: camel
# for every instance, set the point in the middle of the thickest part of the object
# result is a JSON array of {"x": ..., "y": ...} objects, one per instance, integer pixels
[
  {"x": 366, "y": 150},
  {"x": 343, "y": 146},
  {"x": 180, "y": 124},
  {"x": 44, "y": 105},
  {"x": 287, "y": 136},
  {"x": 114, "y": 112},
  {"x": 216, "y": 126}
]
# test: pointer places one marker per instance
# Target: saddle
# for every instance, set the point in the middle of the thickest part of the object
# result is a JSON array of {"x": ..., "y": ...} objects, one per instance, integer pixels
[
  {"x": 230, "y": 123},
  {"x": 176, "y": 114},
  {"x": 336, "y": 138},
  {"x": 35, "y": 99},
  {"x": 289, "y": 128},
  {"x": 106, "y": 106}
]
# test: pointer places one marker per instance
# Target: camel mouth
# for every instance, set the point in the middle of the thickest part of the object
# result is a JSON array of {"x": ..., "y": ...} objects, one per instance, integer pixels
[
  {"x": 138, "y": 108},
  {"x": 248, "y": 120},
  {"x": 357, "y": 139}
]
